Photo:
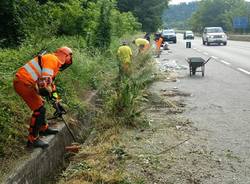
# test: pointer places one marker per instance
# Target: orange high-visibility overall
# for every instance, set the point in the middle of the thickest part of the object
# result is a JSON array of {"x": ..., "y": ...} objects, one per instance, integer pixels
[
  {"x": 25, "y": 84},
  {"x": 158, "y": 45}
]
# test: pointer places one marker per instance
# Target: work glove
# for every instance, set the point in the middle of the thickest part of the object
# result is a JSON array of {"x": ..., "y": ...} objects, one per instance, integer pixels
[
  {"x": 44, "y": 86},
  {"x": 54, "y": 98}
]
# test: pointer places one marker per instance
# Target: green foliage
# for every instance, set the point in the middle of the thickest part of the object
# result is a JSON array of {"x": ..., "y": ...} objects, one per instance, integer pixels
[
  {"x": 123, "y": 23},
  {"x": 9, "y": 30},
  {"x": 71, "y": 18},
  {"x": 33, "y": 21},
  {"x": 102, "y": 37},
  {"x": 149, "y": 12},
  {"x": 11, "y": 117}
]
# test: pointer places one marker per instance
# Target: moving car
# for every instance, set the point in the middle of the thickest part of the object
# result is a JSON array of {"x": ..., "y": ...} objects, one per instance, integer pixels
[
  {"x": 214, "y": 35},
  {"x": 188, "y": 35},
  {"x": 169, "y": 35}
]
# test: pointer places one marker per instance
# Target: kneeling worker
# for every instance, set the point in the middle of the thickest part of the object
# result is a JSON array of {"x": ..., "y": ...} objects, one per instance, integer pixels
[{"x": 34, "y": 80}]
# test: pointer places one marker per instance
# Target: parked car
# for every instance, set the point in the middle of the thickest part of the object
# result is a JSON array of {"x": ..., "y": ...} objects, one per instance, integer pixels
[
  {"x": 188, "y": 35},
  {"x": 214, "y": 35},
  {"x": 169, "y": 35}
]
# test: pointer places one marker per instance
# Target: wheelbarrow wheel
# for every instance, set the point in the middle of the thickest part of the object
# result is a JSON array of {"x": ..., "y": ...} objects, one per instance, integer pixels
[
  {"x": 190, "y": 70},
  {"x": 193, "y": 70},
  {"x": 203, "y": 70}
]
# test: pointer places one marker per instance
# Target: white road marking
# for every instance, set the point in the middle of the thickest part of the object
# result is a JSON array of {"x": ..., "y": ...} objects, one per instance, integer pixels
[
  {"x": 214, "y": 57},
  {"x": 244, "y": 71},
  {"x": 199, "y": 50},
  {"x": 227, "y": 63},
  {"x": 195, "y": 48},
  {"x": 205, "y": 53}
]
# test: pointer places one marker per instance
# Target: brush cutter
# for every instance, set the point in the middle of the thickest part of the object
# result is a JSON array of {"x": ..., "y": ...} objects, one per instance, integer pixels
[
  {"x": 74, "y": 147},
  {"x": 59, "y": 114}
]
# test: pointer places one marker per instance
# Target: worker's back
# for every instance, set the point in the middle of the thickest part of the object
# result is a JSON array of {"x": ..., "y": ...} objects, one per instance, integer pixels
[
  {"x": 124, "y": 53},
  {"x": 141, "y": 41}
]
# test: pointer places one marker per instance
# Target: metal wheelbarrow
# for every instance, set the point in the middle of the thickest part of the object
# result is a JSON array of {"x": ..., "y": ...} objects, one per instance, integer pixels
[{"x": 196, "y": 62}]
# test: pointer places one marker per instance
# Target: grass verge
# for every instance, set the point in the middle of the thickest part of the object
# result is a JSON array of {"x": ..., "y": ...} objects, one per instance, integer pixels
[{"x": 102, "y": 156}]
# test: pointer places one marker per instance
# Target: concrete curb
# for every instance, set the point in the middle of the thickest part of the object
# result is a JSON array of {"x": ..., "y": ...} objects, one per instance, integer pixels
[{"x": 42, "y": 162}]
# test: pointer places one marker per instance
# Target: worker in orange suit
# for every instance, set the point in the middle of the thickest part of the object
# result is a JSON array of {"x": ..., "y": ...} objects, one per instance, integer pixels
[
  {"x": 32, "y": 82},
  {"x": 158, "y": 43}
]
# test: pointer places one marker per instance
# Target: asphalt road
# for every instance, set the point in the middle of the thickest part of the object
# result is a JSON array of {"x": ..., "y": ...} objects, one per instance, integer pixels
[
  {"x": 236, "y": 54},
  {"x": 220, "y": 102}
]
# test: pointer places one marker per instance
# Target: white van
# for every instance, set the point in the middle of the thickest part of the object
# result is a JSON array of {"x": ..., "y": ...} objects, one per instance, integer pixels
[{"x": 214, "y": 35}]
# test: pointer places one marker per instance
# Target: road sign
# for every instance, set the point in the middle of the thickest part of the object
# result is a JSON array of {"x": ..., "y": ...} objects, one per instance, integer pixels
[{"x": 240, "y": 22}]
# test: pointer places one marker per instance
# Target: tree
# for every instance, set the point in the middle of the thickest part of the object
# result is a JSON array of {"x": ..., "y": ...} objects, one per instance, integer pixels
[
  {"x": 103, "y": 30},
  {"x": 35, "y": 20},
  {"x": 149, "y": 12},
  {"x": 10, "y": 34},
  {"x": 177, "y": 15}
]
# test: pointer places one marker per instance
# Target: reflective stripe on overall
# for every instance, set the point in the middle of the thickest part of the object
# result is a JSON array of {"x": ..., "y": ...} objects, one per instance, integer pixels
[{"x": 35, "y": 71}]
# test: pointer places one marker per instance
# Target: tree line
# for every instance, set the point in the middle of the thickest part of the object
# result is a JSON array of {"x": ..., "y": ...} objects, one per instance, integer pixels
[
  {"x": 219, "y": 13},
  {"x": 177, "y": 16},
  {"x": 207, "y": 13},
  {"x": 95, "y": 20}
]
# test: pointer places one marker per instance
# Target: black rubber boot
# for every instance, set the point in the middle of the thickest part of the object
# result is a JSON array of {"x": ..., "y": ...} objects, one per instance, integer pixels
[
  {"x": 38, "y": 144},
  {"x": 49, "y": 131}
]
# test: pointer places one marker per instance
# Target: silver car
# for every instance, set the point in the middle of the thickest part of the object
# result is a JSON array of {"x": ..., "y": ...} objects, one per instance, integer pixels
[
  {"x": 169, "y": 35},
  {"x": 214, "y": 35},
  {"x": 188, "y": 35}
]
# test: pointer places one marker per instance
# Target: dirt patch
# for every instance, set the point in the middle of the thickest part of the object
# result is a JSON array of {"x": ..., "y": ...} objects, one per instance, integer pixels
[
  {"x": 174, "y": 92},
  {"x": 168, "y": 151}
]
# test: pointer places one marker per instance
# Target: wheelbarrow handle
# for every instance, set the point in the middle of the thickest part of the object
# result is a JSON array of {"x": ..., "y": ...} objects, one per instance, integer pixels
[
  {"x": 207, "y": 60},
  {"x": 188, "y": 60}
]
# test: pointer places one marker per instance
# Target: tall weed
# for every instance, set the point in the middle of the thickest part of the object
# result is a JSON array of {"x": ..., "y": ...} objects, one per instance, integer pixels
[{"x": 126, "y": 93}]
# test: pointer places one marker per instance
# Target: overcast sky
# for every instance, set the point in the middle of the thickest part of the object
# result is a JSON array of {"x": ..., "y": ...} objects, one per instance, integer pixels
[{"x": 182, "y": 1}]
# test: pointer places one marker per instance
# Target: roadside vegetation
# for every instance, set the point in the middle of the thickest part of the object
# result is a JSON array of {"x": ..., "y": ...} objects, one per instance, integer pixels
[
  {"x": 94, "y": 30},
  {"x": 101, "y": 157}
]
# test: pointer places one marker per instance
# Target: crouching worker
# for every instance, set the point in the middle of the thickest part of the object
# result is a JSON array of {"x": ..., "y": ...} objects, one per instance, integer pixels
[
  {"x": 33, "y": 81},
  {"x": 124, "y": 55},
  {"x": 142, "y": 44}
]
